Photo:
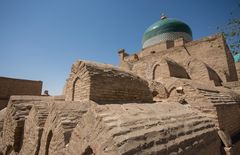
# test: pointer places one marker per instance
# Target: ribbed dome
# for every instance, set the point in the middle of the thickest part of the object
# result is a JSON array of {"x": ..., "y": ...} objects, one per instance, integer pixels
[{"x": 166, "y": 29}]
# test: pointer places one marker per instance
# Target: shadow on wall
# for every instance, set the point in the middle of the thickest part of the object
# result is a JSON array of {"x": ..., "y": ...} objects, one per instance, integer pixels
[
  {"x": 200, "y": 71},
  {"x": 168, "y": 68},
  {"x": 88, "y": 151},
  {"x": 49, "y": 138}
]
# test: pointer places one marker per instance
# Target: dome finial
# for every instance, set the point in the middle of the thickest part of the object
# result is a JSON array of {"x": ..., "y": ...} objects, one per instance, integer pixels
[{"x": 163, "y": 16}]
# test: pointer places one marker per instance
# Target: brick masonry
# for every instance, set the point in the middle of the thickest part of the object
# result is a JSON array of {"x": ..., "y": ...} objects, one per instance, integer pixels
[
  {"x": 105, "y": 84},
  {"x": 10, "y": 86},
  {"x": 171, "y": 98},
  {"x": 212, "y": 50}
]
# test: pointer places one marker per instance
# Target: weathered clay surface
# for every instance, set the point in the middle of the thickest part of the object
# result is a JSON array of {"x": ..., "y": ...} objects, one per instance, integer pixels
[
  {"x": 59, "y": 126},
  {"x": 168, "y": 99},
  {"x": 16, "y": 113},
  {"x": 105, "y": 83},
  {"x": 143, "y": 129},
  {"x": 34, "y": 126}
]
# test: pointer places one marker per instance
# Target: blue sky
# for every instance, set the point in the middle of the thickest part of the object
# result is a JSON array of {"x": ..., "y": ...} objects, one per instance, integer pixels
[{"x": 40, "y": 40}]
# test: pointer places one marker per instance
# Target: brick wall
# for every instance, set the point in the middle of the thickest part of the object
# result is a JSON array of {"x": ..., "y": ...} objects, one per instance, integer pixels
[
  {"x": 80, "y": 89},
  {"x": 229, "y": 118},
  {"x": 211, "y": 50},
  {"x": 77, "y": 86},
  {"x": 119, "y": 88},
  {"x": 105, "y": 83},
  {"x": 10, "y": 86},
  {"x": 3, "y": 103},
  {"x": 158, "y": 70}
]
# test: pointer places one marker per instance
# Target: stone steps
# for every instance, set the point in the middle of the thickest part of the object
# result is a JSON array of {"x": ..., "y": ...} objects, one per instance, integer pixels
[{"x": 217, "y": 98}]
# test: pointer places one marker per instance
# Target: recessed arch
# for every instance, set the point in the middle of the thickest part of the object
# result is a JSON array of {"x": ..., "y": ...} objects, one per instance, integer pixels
[
  {"x": 76, "y": 90},
  {"x": 202, "y": 72},
  {"x": 88, "y": 151},
  {"x": 156, "y": 72},
  {"x": 166, "y": 68}
]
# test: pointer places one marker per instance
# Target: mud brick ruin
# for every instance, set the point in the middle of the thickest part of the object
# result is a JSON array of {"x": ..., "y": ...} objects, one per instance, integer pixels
[{"x": 175, "y": 96}]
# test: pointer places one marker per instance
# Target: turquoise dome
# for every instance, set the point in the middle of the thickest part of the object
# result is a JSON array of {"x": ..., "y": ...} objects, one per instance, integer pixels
[
  {"x": 237, "y": 57},
  {"x": 166, "y": 29}
]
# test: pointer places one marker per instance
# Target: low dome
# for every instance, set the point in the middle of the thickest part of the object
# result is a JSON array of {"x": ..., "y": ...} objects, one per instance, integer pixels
[{"x": 166, "y": 29}]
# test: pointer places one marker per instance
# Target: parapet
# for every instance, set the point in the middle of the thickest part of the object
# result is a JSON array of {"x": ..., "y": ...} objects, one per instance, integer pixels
[
  {"x": 105, "y": 83},
  {"x": 160, "y": 47},
  {"x": 179, "y": 42},
  {"x": 11, "y": 86}
]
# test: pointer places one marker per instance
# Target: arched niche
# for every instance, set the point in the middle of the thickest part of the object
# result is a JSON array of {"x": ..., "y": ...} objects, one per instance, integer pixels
[
  {"x": 88, "y": 151},
  {"x": 166, "y": 68},
  {"x": 156, "y": 72},
  {"x": 76, "y": 95},
  {"x": 202, "y": 72}
]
